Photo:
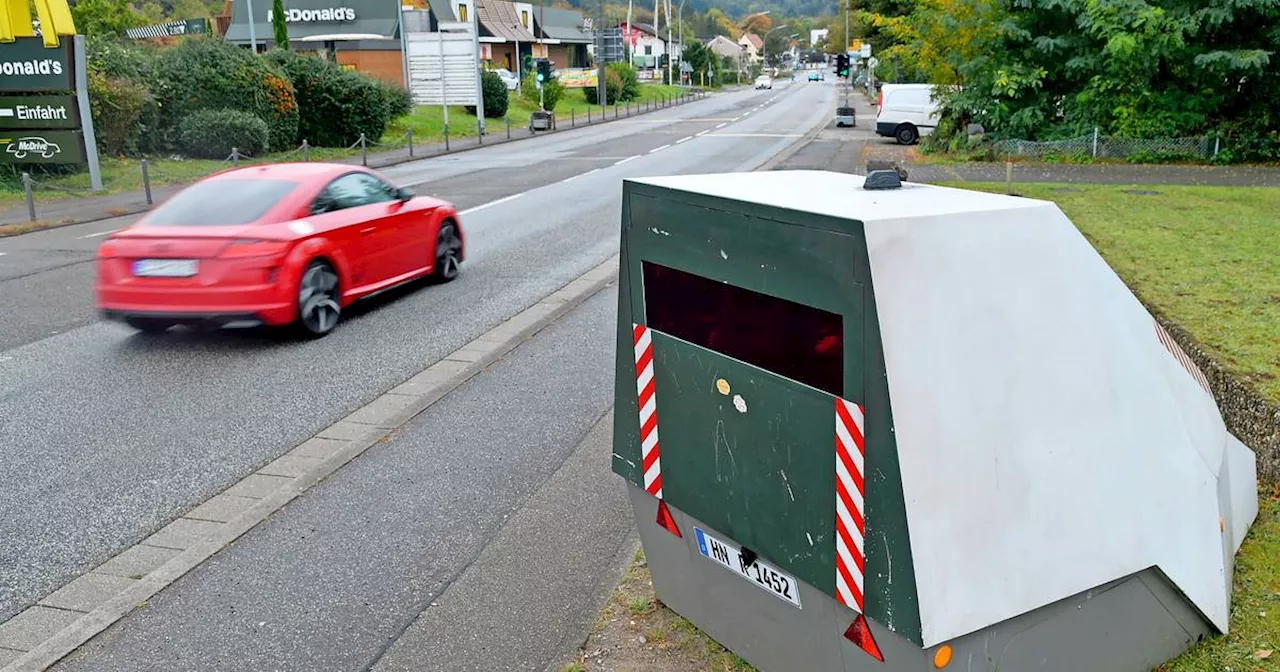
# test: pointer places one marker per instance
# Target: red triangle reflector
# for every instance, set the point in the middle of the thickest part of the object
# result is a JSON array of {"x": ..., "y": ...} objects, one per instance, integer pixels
[
  {"x": 860, "y": 634},
  {"x": 666, "y": 520}
]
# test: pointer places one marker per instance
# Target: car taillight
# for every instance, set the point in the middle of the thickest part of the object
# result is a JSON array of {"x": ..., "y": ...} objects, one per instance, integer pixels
[
  {"x": 245, "y": 248},
  {"x": 108, "y": 249},
  {"x": 880, "y": 99}
]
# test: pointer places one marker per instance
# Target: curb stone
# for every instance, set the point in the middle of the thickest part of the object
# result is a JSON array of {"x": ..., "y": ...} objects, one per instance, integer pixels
[{"x": 312, "y": 461}]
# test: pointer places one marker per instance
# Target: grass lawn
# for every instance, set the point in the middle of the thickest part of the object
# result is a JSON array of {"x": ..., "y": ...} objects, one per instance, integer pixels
[{"x": 125, "y": 174}]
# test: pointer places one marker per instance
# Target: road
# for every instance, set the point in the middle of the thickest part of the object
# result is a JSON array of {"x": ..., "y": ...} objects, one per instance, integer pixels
[{"x": 107, "y": 435}]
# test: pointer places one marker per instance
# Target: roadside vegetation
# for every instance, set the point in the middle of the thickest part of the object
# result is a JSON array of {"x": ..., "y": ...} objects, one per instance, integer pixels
[
  {"x": 1205, "y": 258},
  {"x": 187, "y": 107}
]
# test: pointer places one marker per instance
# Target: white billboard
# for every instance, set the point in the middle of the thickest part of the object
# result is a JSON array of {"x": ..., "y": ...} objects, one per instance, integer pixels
[{"x": 442, "y": 68}]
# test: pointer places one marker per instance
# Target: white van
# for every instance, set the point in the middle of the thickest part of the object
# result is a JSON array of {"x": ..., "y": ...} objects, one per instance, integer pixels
[{"x": 907, "y": 111}]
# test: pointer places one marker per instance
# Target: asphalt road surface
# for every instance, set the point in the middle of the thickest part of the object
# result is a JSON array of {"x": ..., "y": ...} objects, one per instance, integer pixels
[{"x": 107, "y": 435}]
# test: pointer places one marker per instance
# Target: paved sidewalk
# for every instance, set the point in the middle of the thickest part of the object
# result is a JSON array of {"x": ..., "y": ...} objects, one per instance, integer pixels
[{"x": 88, "y": 208}]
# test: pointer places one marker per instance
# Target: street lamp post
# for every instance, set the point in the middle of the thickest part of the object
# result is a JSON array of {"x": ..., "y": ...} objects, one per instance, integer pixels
[{"x": 766, "y": 43}]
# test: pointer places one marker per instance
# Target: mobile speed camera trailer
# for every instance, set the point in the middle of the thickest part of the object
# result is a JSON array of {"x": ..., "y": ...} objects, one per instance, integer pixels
[{"x": 912, "y": 429}]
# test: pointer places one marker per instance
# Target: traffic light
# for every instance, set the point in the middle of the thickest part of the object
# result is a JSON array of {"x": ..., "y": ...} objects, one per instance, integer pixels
[
  {"x": 544, "y": 70},
  {"x": 842, "y": 65}
]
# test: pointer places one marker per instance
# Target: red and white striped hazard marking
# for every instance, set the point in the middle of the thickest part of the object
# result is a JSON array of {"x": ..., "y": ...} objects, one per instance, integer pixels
[
  {"x": 1178, "y": 354},
  {"x": 648, "y": 402},
  {"x": 850, "y": 525}
]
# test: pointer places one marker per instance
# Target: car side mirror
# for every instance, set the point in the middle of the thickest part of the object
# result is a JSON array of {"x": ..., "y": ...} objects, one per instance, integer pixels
[{"x": 404, "y": 193}]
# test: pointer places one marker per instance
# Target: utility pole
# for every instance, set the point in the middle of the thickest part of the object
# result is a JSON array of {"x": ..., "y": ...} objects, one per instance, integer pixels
[
  {"x": 601, "y": 90},
  {"x": 253, "y": 35},
  {"x": 475, "y": 42},
  {"x": 631, "y": 52},
  {"x": 848, "y": 81},
  {"x": 670, "y": 56}
]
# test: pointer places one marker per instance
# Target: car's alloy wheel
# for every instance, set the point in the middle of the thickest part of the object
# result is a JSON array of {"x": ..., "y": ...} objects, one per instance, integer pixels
[
  {"x": 318, "y": 309},
  {"x": 448, "y": 252}
]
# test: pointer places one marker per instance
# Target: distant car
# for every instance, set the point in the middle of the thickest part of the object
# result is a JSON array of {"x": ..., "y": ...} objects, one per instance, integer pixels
[
  {"x": 281, "y": 244},
  {"x": 764, "y": 82},
  {"x": 815, "y": 76},
  {"x": 509, "y": 78}
]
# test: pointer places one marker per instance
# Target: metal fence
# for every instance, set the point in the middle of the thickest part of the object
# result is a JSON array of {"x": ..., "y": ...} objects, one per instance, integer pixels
[{"x": 1097, "y": 146}]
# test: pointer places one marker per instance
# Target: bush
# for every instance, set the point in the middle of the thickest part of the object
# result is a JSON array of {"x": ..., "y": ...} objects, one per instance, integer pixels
[
  {"x": 552, "y": 92},
  {"x": 612, "y": 89},
  {"x": 497, "y": 100},
  {"x": 116, "y": 105},
  {"x": 336, "y": 105},
  {"x": 399, "y": 101},
  {"x": 211, "y": 134},
  {"x": 630, "y": 81},
  {"x": 206, "y": 73}
]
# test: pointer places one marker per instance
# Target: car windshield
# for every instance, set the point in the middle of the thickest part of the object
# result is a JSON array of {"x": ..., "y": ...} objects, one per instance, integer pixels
[{"x": 221, "y": 202}]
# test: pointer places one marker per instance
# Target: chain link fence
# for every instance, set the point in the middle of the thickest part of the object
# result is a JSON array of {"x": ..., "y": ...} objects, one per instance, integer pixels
[{"x": 1097, "y": 146}]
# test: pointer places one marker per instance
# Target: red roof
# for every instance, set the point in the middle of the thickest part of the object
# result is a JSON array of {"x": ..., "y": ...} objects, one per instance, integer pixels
[{"x": 755, "y": 40}]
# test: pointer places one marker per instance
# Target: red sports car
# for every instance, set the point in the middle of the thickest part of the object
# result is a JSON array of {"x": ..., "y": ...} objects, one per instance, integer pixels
[{"x": 280, "y": 244}]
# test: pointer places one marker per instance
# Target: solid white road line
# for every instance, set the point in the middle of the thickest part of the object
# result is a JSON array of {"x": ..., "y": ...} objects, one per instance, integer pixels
[
  {"x": 98, "y": 234},
  {"x": 490, "y": 204},
  {"x": 629, "y": 158},
  {"x": 658, "y": 149}
]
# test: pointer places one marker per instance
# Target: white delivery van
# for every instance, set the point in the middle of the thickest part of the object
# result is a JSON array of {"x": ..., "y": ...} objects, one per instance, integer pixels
[{"x": 906, "y": 112}]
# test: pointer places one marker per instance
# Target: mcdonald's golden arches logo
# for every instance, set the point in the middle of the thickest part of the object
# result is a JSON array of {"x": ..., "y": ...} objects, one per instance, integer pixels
[{"x": 55, "y": 20}]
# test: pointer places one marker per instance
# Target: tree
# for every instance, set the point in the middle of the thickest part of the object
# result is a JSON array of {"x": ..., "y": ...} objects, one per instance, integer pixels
[
  {"x": 278, "y": 27},
  {"x": 106, "y": 17},
  {"x": 756, "y": 23},
  {"x": 700, "y": 60}
]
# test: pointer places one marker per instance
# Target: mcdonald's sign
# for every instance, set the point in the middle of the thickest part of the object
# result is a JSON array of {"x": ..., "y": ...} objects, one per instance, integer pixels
[{"x": 54, "y": 15}]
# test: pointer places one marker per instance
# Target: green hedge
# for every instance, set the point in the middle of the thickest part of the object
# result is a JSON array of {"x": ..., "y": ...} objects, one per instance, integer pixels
[
  {"x": 206, "y": 73},
  {"x": 630, "y": 80},
  {"x": 497, "y": 100},
  {"x": 612, "y": 89},
  {"x": 117, "y": 105},
  {"x": 551, "y": 94},
  {"x": 212, "y": 134},
  {"x": 336, "y": 105}
]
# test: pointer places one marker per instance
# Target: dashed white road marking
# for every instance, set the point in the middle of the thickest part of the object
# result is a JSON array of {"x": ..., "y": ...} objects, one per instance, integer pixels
[
  {"x": 490, "y": 204},
  {"x": 684, "y": 139},
  {"x": 629, "y": 158},
  {"x": 720, "y": 126},
  {"x": 658, "y": 149},
  {"x": 98, "y": 234},
  {"x": 701, "y": 133}
]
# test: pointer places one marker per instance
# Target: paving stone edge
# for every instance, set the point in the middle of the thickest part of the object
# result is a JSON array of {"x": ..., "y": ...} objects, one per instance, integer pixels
[{"x": 375, "y": 422}]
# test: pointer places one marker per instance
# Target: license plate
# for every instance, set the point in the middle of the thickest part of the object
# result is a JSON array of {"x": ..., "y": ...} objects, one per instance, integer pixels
[
  {"x": 165, "y": 268},
  {"x": 767, "y": 577}
]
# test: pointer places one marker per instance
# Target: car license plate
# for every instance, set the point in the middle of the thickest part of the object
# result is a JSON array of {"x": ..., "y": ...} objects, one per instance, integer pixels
[
  {"x": 165, "y": 268},
  {"x": 762, "y": 574}
]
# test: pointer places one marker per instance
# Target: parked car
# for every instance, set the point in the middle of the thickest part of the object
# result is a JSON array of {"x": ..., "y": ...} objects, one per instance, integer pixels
[
  {"x": 764, "y": 82},
  {"x": 906, "y": 112},
  {"x": 280, "y": 244},
  {"x": 509, "y": 78}
]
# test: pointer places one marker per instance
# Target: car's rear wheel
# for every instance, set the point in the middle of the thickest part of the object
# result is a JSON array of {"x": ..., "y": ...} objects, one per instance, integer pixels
[
  {"x": 148, "y": 325},
  {"x": 448, "y": 252},
  {"x": 318, "y": 307},
  {"x": 906, "y": 134}
]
